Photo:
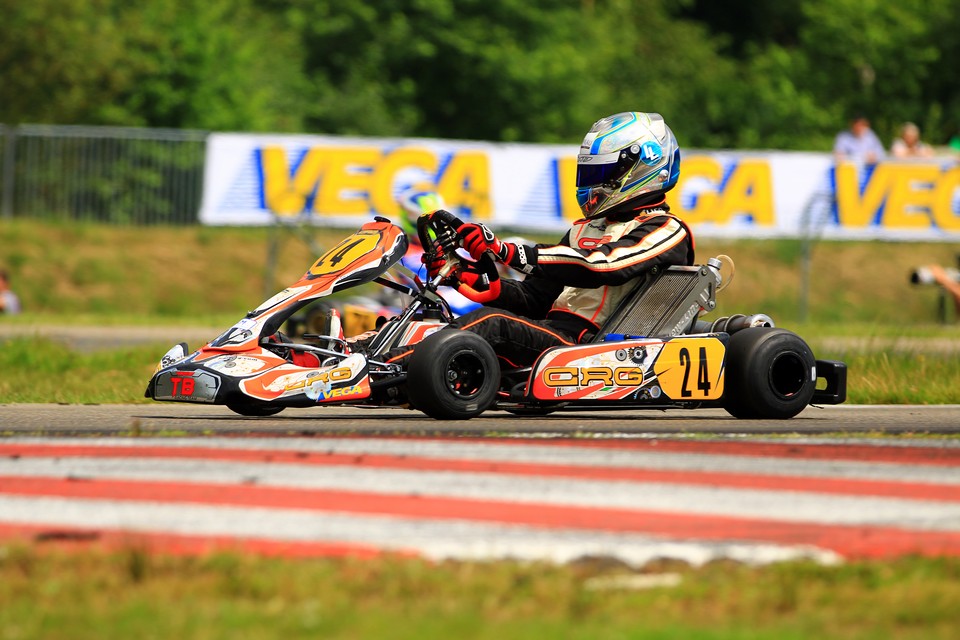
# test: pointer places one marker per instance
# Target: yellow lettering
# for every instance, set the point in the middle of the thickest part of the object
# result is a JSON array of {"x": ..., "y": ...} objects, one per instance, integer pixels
[
  {"x": 942, "y": 206},
  {"x": 628, "y": 376},
  {"x": 908, "y": 206},
  {"x": 597, "y": 374},
  {"x": 748, "y": 192},
  {"x": 344, "y": 373},
  {"x": 347, "y": 181},
  {"x": 466, "y": 183},
  {"x": 852, "y": 209},
  {"x": 286, "y": 195},
  {"x": 560, "y": 376}
]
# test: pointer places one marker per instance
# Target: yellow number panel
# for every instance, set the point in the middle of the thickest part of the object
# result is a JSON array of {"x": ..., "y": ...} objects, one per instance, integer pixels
[
  {"x": 691, "y": 369},
  {"x": 346, "y": 253}
]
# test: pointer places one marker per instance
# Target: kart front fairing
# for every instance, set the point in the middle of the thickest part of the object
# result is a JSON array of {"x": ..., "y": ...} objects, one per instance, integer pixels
[
  {"x": 356, "y": 260},
  {"x": 237, "y": 370}
]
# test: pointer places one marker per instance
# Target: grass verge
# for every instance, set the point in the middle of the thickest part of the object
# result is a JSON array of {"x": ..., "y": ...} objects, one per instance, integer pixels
[
  {"x": 40, "y": 370},
  {"x": 130, "y": 593}
]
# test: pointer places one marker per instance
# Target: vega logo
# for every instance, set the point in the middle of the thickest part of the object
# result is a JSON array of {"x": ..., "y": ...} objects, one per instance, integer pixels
[
  {"x": 709, "y": 190},
  {"x": 898, "y": 196},
  {"x": 358, "y": 180}
]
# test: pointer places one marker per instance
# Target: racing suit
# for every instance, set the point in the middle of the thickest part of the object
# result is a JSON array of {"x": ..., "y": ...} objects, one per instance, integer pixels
[{"x": 572, "y": 287}]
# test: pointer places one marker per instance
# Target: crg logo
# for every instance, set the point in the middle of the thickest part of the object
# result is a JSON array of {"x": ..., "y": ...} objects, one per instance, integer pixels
[{"x": 577, "y": 377}]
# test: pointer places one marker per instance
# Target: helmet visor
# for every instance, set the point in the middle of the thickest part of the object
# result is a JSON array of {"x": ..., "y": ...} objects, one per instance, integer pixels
[
  {"x": 606, "y": 169},
  {"x": 589, "y": 175}
]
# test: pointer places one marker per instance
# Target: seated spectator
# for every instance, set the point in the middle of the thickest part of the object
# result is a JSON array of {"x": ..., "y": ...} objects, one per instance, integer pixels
[
  {"x": 9, "y": 302},
  {"x": 909, "y": 145},
  {"x": 858, "y": 143}
]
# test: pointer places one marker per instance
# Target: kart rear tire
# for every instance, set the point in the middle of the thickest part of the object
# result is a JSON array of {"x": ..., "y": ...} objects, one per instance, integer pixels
[
  {"x": 453, "y": 375},
  {"x": 255, "y": 410},
  {"x": 769, "y": 374}
]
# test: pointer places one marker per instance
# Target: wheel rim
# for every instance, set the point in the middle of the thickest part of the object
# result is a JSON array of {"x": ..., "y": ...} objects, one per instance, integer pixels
[
  {"x": 788, "y": 373},
  {"x": 464, "y": 375}
]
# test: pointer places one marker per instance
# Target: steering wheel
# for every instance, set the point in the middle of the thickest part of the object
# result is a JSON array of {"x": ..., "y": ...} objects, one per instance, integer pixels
[{"x": 438, "y": 235}]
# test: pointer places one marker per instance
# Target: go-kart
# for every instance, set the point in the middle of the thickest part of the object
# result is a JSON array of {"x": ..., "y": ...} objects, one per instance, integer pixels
[{"x": 653, "y": 352}]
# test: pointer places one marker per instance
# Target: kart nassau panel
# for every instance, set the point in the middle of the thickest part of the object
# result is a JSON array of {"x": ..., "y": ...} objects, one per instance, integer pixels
[
  {"x": 346, "y": 380},
  {"x": 675, "y": 369},
  {"x": 357, "y": 259},
  {"x": 221, "y": 378}
]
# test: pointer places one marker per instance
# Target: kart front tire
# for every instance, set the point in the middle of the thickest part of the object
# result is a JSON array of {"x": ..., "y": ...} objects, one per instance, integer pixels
[
  {"x": 255, "y": 410},
  {"x": 453, "y": 375},
  {"x": 769, "y": 374}
]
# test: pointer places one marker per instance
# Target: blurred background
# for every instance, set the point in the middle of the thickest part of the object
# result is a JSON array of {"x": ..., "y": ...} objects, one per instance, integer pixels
[
  {"x": 106, "y": 108},
  {"x": 777, "y": 74}
]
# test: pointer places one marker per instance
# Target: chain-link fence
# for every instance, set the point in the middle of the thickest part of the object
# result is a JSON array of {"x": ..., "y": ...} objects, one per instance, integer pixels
[{"x": 101, "y": 174}]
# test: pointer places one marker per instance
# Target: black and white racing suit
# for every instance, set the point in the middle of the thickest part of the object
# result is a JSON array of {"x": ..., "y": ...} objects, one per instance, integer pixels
[{"x": 572, "y": 287}]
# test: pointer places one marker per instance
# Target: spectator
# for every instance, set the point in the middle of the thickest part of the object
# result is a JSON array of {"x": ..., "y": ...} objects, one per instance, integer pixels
[
  {"x": 858, "y": 143},
  {"x": 909, "y": 145},
  {"x": 9, "y": 302}
]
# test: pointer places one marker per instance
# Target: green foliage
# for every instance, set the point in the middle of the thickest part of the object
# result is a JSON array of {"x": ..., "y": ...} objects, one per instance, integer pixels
[
  {"x": 742, "y": 74},
  {"x": 207, "y": 64}
]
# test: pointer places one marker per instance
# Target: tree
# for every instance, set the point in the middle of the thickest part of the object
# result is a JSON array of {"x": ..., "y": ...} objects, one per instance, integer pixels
[{"x": 210, "y": 64}]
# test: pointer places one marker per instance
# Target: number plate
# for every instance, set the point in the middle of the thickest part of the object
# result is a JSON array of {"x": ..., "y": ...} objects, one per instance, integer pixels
[{"x": 691, "y": 369}]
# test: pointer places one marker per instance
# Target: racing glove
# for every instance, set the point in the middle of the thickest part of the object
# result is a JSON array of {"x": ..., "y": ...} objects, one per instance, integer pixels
[
  {"x": 434, "y": 262},
  {"x": 478, "y": 239},
  {"x": 479, "y": 281}
]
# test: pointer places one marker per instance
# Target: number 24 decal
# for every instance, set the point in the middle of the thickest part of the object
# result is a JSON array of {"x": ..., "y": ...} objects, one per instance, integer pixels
[
  {"x": 703, "y": 372},
  {"x": 691, "y": 368}
]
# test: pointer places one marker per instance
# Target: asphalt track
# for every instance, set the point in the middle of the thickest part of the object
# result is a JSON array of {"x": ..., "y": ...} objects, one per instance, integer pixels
[
  {"x": 630, "y": 486},
  {"x": 162, "y": 418}
]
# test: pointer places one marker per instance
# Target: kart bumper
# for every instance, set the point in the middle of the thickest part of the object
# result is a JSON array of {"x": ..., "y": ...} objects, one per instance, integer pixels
[{"x": 834, "y": 373}]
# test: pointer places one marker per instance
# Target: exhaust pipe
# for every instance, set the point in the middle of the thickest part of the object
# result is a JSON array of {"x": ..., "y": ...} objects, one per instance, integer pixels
[{"x": 734, "y": 323}]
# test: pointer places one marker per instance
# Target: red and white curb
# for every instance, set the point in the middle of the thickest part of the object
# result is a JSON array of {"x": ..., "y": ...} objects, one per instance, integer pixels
[{"x": 528, "y": 498}]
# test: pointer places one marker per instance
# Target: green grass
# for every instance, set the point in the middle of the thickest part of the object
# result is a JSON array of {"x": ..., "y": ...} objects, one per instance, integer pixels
[
  {"x": 129, "y": 593},
  {"x": 902, "y": 378},
  {"x": 41, "y": 370}
]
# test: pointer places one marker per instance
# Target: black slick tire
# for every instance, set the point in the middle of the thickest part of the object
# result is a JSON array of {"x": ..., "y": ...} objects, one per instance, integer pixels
[
  {"x": 769, "y": 374},
  {"x": 453, "y": 375}
]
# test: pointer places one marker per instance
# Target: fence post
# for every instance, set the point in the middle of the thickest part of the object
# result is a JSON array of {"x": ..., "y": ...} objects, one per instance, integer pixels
[
  {"x": 812, "y": 227},
  {"x": 9, "y": 145}
]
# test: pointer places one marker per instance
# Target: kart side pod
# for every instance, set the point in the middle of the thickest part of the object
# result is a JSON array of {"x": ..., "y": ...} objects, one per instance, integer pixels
[{"x": 758, "y": 372}]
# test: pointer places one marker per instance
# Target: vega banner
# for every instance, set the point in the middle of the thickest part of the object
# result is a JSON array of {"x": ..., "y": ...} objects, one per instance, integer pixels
[{"x": 341, "y": 181}]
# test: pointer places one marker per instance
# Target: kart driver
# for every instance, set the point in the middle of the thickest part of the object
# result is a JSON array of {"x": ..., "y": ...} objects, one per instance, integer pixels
[{"x": 627, "y": 162}]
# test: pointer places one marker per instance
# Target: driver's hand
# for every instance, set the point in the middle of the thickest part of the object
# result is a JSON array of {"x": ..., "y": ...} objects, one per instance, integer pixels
[
  {"x": 479, "y": 281},
  {"x": 478, "y": 239},
  {"x": 434, "y": 262}
]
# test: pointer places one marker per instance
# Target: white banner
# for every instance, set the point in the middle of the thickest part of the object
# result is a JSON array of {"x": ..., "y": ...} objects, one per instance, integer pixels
[{"x": 339, "y": 181}]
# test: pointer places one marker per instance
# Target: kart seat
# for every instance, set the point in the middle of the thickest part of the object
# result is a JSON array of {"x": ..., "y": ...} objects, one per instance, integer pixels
[{"x": 665, "y": 303}]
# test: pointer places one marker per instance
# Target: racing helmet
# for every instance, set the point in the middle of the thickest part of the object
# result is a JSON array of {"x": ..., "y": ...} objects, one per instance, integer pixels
[
  {"x": 414, "y": 203},
  {"x": 624, "y": 156}
]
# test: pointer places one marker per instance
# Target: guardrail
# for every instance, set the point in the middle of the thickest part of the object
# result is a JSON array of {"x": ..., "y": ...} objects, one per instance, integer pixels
[{"x": 120, "y": 175}]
